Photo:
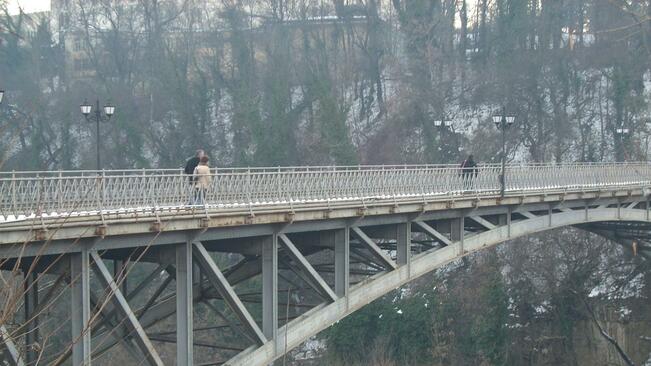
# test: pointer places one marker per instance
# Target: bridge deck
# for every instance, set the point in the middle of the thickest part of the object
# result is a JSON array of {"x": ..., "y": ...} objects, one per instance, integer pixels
[{"x": 37, "y": 206}]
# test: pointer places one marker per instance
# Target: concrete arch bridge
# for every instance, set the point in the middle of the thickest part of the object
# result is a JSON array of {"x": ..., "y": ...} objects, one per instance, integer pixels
[{"x": 151, "y": 266}]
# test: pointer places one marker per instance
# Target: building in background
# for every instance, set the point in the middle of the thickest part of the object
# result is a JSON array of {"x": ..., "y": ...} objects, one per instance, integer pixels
[{"x": 87, "y": 33}]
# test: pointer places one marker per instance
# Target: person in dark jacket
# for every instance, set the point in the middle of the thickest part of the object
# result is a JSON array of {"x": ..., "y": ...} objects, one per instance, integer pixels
[
  {"x": 192, "y": 164},
  {"x": 468, "y": 171}
]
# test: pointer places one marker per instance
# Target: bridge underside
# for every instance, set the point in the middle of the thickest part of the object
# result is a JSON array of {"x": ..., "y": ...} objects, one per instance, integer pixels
[{"x": 260, "y": 285}]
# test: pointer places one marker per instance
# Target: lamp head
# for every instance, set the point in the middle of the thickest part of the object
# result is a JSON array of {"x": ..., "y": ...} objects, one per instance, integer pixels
[
  {"x": 497, "y": 120},
  {"x": 86, "y": 108},
  {"x": 109, "y": 110}
]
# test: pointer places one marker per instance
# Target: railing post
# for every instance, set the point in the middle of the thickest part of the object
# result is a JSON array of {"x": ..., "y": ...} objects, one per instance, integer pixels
[
  {"x": 13, "y": 194},
  {"x": 60, "y": 193},
  {"x": 39, "y": 192},
  {"x": 279, "y": 185},
  {"x": 98, "y": 197},
  {"x": 102, "y": 190},
  {"x": 248, "y": 186},
  {"x": 143, "y": 187}
]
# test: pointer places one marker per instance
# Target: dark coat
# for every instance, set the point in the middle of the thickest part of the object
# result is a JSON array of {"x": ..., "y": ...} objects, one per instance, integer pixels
[
  {"x": 469, "y": 167},
  {"x": 189, "y": 167}
]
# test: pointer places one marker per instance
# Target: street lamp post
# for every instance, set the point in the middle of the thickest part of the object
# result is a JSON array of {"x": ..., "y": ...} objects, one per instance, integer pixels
[
  {"x": 622, "y": 132},
  {"x": 86, "y": 110},
  {"x": 503, "y": 122}
]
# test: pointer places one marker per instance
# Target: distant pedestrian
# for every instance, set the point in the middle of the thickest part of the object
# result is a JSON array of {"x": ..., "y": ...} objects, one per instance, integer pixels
[
  {"x": 192, "y": 164},
  {"x": 202, "y": 180},
  {"x": 468, "y": 172}
]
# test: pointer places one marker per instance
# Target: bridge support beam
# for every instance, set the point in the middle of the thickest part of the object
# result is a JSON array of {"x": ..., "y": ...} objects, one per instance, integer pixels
[
  {"x": 307, "y": 269},
  {"x": 121, "y": 304},
  {"x": 270, "y": 287},
  {"x": 485, "y": 223},
  {"x": 430, "y": 231},
  {"x": 80, "y": 307},
  {"x": 31, "y": 317},
  {"x": 119, "y": 332},
  {"x": 217, "y": 279},
  {"x": 113, "y": 326},
  {"x": 9, "y": 345},
  {"x": 184, "y": 305},
  {"x": 375, "y": 250},
  {"x": 342, "y": 261}
]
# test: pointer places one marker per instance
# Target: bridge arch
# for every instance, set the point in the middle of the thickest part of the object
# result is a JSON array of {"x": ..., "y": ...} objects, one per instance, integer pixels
[{"x": 317, "y": 319}]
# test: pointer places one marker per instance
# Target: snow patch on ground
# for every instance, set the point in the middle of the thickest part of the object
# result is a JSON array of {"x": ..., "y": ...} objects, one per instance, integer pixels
[
  {"x": 632, "y": 289},
  {"x": 511, "y": 305},
  {"x": 542, "y": 308},
  {"x": 311, "y": 349},
  {"x": 648, "y": 361},
  {"x": 403, "y": 293},
  {"x": 624, "y": 313}
]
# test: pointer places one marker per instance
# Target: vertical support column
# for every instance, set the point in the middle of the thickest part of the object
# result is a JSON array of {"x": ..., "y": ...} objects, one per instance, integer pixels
[
  {"x": 587, "y": 210},
  {"x": 184, "y": 309},
  {"x": 501, "y": 220},
  {"x": 31, "y": 318},
  {"x": 270, "y": 287},
  {"x": 509, "y": 213},
  {"x": 342, "y": 261},
  {"x": 457, "y": 232},
  {"x": 80, "y": 307},
  {"x": 505, "y": 220},
  {"x": 403, "y": 243}
]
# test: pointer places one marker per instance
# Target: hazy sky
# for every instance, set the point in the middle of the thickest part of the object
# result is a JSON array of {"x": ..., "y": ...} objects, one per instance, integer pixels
[{"x": 28, "y": 5}]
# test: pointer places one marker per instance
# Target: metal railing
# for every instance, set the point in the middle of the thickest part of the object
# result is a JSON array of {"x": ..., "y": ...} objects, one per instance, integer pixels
[{"x": 34, "y": 194}]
